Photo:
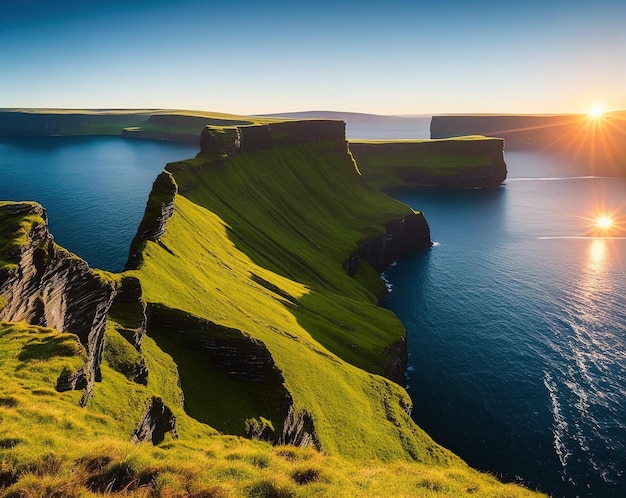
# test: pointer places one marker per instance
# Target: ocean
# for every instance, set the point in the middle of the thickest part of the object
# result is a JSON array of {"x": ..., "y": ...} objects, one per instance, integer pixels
[
  {"x": 516, "y": 323},
  {"x": 94, "y": 189}
]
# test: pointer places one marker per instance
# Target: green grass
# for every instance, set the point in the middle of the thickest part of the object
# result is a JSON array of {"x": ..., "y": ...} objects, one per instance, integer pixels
[
  {"x": 14, "y": 233},
  {"x": 253, "y": 254},
  {"x": 388, "y": 164},
  {"x": 292, "y": 215},
  {"x": 49, "y": 446}
]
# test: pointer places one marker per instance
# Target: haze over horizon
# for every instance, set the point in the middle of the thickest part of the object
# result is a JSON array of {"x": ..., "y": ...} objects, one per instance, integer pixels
[{"x": 403, "y": 58}]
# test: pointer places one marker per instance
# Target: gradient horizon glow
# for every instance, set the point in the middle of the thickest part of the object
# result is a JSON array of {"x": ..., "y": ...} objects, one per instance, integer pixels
[{"x": 244, "y": 57}]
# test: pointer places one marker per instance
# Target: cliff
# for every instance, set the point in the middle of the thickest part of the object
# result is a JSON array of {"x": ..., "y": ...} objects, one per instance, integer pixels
[
  {"x": 249, "y": 309},
  {"x": 218, "y": 141},
  {"x": 462, "y": 162},
  {"x": 18, "y": 123},
  {"x": 285, "y": 223},
  {"x": 597, "y": 141},
  {"x": 153, "y": 124},
  {"x": 45, "y": 285}
]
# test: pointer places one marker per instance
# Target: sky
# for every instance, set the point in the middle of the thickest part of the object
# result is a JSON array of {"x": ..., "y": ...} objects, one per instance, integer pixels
[{"x": 271, "y": 56}]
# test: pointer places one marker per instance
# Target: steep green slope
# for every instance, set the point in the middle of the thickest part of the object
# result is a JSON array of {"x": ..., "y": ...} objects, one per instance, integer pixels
[
  {"x": 50, "y": 447},
  {"x": 238, "y": 314},
  {"x": 262, "y": 237}
]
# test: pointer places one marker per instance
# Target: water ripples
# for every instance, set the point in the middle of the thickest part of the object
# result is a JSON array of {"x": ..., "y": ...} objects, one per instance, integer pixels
[{"x": 517, "y": 333}]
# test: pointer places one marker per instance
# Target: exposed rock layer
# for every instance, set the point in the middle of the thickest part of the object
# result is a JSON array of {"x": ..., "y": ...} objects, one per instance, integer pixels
[
  {"x": 241, "y": 357},
  {"x": 49, "y": 286},
  {"x": 401, "y": 237},
  {"x": 254, "y": 138},
  {"x": 159, "y": 208},
  {"x": 156, "y": 420}
]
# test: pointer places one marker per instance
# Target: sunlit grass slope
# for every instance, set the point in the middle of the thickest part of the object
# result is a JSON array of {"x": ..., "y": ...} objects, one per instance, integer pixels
[
  {"x": 51, "y": 447},
  {"x": 257, "y": 244},
  {"x": 254, "y": 249}
]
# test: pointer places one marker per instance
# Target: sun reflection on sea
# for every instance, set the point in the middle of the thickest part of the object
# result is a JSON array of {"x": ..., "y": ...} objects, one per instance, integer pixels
[{"x": 596, "y": 261}]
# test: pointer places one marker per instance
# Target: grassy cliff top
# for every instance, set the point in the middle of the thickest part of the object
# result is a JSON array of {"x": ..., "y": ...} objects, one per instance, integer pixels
[
  {"x": 251, "y": 255},
  {"x": 465, "y": 161},
  {"x": 51, "y": 447}
]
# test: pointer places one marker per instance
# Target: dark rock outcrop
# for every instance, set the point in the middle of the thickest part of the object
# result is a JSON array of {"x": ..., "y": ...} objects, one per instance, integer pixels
[
  {"x": 130, "y": 311},
  {"x": 396, "y": 369},
  {"x": 401, "y": 237},
  {"x": 299, "y": 430},
  {"x": 49, "y": 286},
  {"x": 159, "y": 209},
  {"x": 244, "y": 358},
  {"x": 69, "y": 381},
  {"x": 155, "y": 422}
]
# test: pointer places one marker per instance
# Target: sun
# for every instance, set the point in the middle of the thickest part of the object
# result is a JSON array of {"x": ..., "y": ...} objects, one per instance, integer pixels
[
  {"x": 596, "y": 112},
  {"x": 604, "y": 222}
]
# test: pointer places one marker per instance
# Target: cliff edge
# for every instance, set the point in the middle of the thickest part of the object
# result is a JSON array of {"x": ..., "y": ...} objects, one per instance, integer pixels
[
  {"x": 271, "y": 237},
  {"x": 242, "y": 353}
]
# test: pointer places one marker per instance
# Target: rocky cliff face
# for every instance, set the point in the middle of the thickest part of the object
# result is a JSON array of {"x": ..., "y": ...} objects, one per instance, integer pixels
[
  {"x": 156, "y": 420},
  {"x": 159, "y": 208},
  {"x": 242, "y": 358},
  {"x": 259, "y": 137},
  {"x": 401, "y": 237},
  {"x": 46, "y": 285}
]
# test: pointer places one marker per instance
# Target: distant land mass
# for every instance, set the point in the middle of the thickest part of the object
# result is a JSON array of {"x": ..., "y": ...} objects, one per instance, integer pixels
[
  {"x": 369, "y": 126},
  {"x": 599, "y": 141}
]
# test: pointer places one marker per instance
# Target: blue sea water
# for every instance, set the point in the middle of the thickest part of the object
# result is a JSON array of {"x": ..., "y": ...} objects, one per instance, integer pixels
[
  {"x": 516, "y": 323},
  {"x": 94, "y": 189},
  {"x": 516, "y": 318}
]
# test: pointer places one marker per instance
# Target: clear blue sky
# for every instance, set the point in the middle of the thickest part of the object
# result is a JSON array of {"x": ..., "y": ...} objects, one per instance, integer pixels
[{"x": 394, "y": 57}]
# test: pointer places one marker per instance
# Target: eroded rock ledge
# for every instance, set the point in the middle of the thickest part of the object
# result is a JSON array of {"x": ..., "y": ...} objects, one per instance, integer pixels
[
  {"x": 401, "y": 237},
  {"x": 159, "y": 209},
  {"x": 48, "y": 286},
  {"x": 258, "y": 137},
  {"x": 241, "y": 357}
]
